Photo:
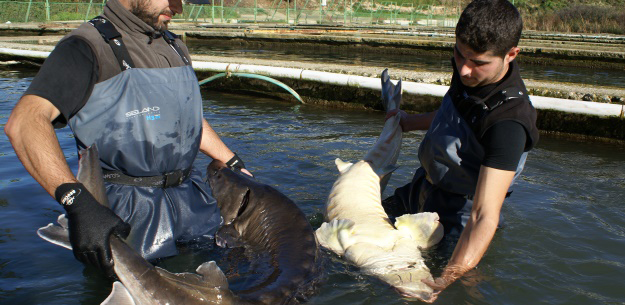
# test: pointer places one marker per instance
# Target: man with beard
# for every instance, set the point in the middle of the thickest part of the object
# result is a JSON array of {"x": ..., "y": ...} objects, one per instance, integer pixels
[
  {"x": 125, "y": 84},
  {"x": 477, "y": 141}
]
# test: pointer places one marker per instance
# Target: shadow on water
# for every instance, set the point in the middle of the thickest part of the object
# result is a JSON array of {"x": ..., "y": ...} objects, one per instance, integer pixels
[{"x": 562, "y": 244}]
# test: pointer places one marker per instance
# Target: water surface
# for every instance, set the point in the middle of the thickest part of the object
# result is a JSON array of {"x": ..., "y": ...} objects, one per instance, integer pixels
[{"x": 563, "y": 243}]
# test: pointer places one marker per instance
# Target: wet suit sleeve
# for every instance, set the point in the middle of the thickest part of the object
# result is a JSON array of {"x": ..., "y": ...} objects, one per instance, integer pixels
[
  {"x": 67, "y": 78},
  {"x": 504, "y": 144}
]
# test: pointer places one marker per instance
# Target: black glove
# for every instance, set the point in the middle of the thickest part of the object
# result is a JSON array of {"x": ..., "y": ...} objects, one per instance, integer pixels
[
  {"x": 235, "y": 163},
  {"x": 90, "y": 226}
]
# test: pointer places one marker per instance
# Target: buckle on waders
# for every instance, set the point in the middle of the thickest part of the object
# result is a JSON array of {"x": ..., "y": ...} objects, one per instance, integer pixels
[{"x": 174, "y": 178}]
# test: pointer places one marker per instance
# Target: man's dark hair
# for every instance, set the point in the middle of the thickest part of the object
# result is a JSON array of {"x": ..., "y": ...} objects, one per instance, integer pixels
[{"x": 490, "y": 25}]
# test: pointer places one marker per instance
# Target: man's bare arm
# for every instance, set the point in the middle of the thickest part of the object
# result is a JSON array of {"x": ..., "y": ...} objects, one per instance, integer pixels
[
  {"x": 212, "y": 145},
  {"x": 491, "y": 190},
  {"x": 32, "y": 135},
  {"x": 417, "y": 121}
]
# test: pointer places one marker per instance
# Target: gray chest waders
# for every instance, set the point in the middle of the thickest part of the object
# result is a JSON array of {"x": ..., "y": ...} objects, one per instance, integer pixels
[
  {"x": 450, "y": 156},
  {"x": 147, "y": 124}
]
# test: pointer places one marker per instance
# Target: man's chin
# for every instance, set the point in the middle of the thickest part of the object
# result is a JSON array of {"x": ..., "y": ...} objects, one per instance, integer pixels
[
  {"x": 161, "y": 25},
  {"x": 469, "y": 82}
]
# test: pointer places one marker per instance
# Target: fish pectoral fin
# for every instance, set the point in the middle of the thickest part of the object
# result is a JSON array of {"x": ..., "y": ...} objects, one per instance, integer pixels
[
  {"x": 342, "y": 165},
  {"x": 423, "y": 228},
  {"x": 335, "y": 235},
  {"x": 56, "y": 235},
  {"x": 119, "y": 296},
  {"x": 62, "y": 221},
  {"x": 212, "y": 275}
]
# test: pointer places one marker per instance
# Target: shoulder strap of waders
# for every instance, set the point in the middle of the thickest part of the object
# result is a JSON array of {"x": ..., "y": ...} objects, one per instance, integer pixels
[
  {"x": 474, "y": 110},
  {"x": 114, "y": 39},
  {"x": 170, "y": 38}
]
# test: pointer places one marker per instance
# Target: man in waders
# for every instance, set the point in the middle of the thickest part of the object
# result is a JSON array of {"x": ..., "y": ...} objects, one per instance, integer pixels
[
  {"x": 477, "y": 141},
  {"x": 124, "y": 83}
]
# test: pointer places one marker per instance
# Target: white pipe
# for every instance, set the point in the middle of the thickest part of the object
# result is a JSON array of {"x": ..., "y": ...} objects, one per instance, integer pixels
[
  {"x": 540, "y": 102},
  {"x": 25, "y": 53},
  {"x": 581, "y": 107}
]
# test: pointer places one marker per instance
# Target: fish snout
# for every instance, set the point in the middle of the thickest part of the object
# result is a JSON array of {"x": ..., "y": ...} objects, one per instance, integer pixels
[
  {"x": 216, "y": 166},
  {"x": 213, "y": 170},
  {"x": 408, "y": 280},
  {"x": 414, "y": 294}
]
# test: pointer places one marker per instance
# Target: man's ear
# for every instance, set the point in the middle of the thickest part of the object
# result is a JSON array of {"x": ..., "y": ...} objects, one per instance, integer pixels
[
  {"x": 512, "y": 54},
  {"x": 175, "y": 6}
]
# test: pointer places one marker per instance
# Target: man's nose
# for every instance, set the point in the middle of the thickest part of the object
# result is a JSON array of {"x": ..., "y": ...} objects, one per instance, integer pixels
[{"x": 465, "y": 70}]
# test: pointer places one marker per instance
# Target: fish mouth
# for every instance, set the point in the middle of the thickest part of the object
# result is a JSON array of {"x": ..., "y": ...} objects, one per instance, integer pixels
[
  {"x": 413, "y": 294},
  {"x": 409, "y": 283}
]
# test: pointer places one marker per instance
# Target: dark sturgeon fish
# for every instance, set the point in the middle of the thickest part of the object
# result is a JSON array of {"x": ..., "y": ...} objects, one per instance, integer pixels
[
  {"x": 141, "y": 282},
  {"x": 265, "y": 220}
]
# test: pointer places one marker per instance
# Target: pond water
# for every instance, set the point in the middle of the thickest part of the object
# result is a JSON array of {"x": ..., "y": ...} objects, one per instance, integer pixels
[
  {"x": 581, "y": 75},
  {"x": 563, "y": 244}
]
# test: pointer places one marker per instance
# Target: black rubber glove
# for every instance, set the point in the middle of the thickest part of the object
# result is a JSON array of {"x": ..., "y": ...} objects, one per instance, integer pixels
[{"x": 90, "y": 226}]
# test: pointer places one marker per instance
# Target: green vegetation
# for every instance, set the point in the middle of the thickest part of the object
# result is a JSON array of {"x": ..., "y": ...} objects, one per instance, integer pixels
[
  {"x": 569, "y": 16},
  {"x": 580, "y": 18}
]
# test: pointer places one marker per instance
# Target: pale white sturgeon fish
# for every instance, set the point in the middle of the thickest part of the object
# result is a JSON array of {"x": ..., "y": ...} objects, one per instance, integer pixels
[{"x": 358, "y": 228}]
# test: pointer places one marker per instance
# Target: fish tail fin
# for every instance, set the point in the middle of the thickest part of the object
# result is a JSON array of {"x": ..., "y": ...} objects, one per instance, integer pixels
[
  {"x": 119, "y": 296},
  {"x": 334, "y": 235},
  {"x": 423, "y": 228},
  {"x": 391, "y": 94}
]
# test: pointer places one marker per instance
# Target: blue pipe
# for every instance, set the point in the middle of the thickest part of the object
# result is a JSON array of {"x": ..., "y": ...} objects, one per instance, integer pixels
[{"x": 249, "y": 75}]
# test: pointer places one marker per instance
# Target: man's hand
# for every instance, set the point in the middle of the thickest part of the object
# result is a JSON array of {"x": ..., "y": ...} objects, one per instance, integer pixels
[
  {"x": 450, "y": 275},
  {"x": 236, "y": 164},
  {"x": 402, "y": 117},
  {"x": 410, "y": 122},
  {"x": 90, "y": 226},
  {"x": 438, "y": 285}
]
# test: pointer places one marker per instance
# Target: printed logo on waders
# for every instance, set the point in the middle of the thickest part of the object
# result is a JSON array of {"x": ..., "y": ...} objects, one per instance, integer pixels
[{"x": 150, "y": 113}]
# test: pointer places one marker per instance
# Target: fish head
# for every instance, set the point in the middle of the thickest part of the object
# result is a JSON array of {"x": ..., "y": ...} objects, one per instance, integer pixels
[
  {"x": 408, "y": 281},
  {"x": 418, "y": 291},
  {"x": 405, "y": 273},
  {"x": 230, "y": 189}
]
